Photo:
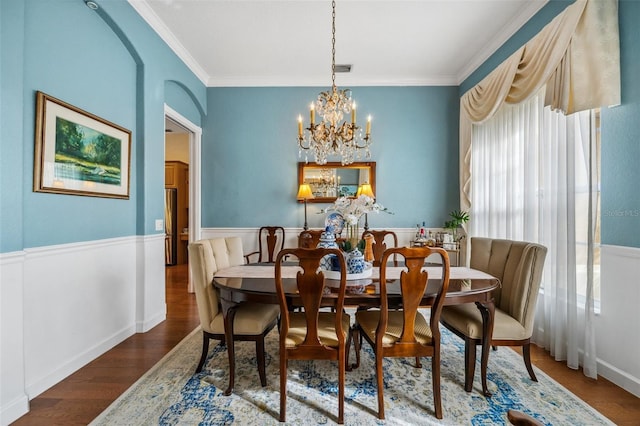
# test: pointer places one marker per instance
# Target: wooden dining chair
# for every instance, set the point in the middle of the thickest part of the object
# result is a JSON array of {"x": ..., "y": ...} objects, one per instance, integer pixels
[
  {"x": 311, "y": 333},
  {"x": 273, "y": 238},
  {"x": 379, "y": 244},
  {"x": 405, "y": 332},
  {"x": 309, "y": 238},
  {"x": 518, "y": 418}
]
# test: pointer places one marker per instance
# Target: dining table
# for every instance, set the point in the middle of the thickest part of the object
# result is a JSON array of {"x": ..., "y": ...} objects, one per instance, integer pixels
[{"x": 256, "y": 283}]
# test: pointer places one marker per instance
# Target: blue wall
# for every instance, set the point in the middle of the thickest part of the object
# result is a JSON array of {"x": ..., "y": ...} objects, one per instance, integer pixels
[
  {"x": 621, "y": 141},
  {"x": 64, "y": 37},
  {"x": 112, "y": 64},
  {"x": 108, "y": 62},
  {"x": 620, "y": 202},
  {"x": 250, "y": 155}
]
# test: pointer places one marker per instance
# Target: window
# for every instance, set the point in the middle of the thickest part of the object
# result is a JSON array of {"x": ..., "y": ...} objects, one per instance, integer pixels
[{"x": 536, "y": 177}]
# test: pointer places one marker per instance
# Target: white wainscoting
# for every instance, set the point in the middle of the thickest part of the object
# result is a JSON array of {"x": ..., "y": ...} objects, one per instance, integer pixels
[
  {"x": 151, "y": 307},
  {"x": 63, "y": 306},
  {"x": 78, "y": 301},
  {"x": 13, "y": 396},
  {"x": 250, "y": 236},
  {"x": 618, "y": 324}
]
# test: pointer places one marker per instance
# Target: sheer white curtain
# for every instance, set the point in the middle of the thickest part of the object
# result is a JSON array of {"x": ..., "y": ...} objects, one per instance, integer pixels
[{"x": 533, "y": 179}]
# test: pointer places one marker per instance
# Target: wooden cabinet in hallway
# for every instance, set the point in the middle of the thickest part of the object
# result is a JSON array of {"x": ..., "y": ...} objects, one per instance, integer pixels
[{"x": 176, "y": 176}]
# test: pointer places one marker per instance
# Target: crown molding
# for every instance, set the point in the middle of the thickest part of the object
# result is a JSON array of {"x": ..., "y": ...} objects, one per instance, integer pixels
[
  {"x": 500, "y": 39},
  {"x": 147, "y": 13},
  {"x": 287, "y": 81}
]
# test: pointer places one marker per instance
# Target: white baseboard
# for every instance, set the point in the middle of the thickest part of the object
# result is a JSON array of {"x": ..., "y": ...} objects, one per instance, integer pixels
[
  {"x": 13, "y": 410},
  {"x": 148, "y": 324},
  {"x": 75, "y": 363},
  {"x": 620, "y": 378}
]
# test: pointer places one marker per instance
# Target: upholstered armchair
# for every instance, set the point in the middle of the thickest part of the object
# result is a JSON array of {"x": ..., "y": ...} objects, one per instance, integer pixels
[
  {"x": 252, "y": 321},
  {"x": 518, "y": 265}
]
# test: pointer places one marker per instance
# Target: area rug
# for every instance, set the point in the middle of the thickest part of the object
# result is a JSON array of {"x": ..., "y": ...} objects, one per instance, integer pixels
[{"x": 170, "y": 394}]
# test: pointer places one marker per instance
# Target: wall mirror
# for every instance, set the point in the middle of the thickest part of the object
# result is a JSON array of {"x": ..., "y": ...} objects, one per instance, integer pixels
[{"x": 332, "y": 180}]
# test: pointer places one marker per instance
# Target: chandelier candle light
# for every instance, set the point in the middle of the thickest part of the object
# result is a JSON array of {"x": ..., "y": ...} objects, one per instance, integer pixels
[{"x": 332, "y": 136}]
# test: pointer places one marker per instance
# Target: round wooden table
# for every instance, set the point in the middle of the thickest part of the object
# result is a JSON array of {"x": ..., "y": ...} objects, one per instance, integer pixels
[{"x": 239, "y": 284}]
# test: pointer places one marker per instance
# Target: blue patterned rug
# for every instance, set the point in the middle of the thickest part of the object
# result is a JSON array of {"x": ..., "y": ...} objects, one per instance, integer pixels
[{"x": 170, "y": 394}]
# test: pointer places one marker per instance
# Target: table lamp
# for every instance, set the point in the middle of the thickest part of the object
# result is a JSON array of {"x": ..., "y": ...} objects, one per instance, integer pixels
[
  {"x": 304, "y": 193},
  {"x": 365, "y": 189}
]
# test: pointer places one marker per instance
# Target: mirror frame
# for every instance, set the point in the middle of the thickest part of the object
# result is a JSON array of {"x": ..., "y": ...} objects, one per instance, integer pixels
[{"x": 302, "y": 166}]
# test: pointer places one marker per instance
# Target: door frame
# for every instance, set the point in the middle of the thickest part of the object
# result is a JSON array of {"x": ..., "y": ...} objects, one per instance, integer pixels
[{"x": 195, "y": 153}]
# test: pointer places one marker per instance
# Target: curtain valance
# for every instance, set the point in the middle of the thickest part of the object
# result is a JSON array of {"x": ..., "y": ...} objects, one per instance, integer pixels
[{"x": 577, "y": 57}]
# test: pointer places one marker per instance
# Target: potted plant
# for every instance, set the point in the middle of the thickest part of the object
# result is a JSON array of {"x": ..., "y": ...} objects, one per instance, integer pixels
[{"x": 458, "y": 218}]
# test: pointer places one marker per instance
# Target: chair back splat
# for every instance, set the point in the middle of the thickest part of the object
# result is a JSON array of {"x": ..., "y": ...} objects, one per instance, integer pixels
[
  {"x": 309, "y": 238},
  {"x": 380, "y": 245},
  {"x": 273, "y": 238}
]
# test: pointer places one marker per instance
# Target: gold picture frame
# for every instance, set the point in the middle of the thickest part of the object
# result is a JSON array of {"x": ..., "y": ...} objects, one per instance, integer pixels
[
  {"x": 79, "y": 153},
  {"x": 332, "y": 180}
]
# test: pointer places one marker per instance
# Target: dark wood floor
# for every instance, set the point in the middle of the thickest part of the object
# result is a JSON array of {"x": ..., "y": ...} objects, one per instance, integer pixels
[{"x": 82, "y": 396}]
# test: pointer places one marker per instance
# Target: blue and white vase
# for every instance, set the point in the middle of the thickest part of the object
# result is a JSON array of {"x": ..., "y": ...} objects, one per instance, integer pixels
[
  {"x": 327, "y": 240},
  {"x": 355, "y": 262}
]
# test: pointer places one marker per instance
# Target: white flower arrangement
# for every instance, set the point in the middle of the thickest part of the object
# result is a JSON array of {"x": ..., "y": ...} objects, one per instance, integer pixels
[{"x": 352, "y": 209}]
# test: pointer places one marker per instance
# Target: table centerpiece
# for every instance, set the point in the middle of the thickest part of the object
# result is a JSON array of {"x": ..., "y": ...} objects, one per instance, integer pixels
[{"x": 351, "y": 210}]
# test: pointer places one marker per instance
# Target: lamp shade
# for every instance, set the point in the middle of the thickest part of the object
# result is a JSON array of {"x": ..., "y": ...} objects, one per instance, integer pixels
[
  {"x": 365, "y": 189},
  {"x": 304, "y": 192}
]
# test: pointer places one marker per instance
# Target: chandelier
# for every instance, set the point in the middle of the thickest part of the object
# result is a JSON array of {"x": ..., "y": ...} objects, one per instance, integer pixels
[{"x": 332, "y": 135}]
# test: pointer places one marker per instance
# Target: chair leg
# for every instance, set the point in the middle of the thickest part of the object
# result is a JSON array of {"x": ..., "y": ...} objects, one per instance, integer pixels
[
  {"x": 341, "y": 378},
  {"x": 261, "y": 360},
  {"x": 469, "y": 363},
  {"x": 357, "y": 343},
  {"x": 418, "y": 363},
  {"x": 526, "y": 354},
  {"x": 435, "y": 378},
  {"x": 348, "y": 350},
  {"x": 379, "y": 380},
  {"x": 283, "y": 387},
  {"x": 205, "y": 351}
]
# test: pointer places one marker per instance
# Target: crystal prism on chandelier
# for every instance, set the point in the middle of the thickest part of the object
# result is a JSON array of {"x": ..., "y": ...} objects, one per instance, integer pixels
[{"x": 332, "y": 135}]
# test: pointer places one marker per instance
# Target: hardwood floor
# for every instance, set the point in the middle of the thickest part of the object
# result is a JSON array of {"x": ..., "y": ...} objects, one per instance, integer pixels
[{"x": 82, "y": 396}]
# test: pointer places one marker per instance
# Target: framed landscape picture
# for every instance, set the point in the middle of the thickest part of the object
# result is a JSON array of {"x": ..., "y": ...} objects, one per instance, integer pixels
[
  {"x": 348, "y": 190},
  {"x": 79, "y": 153}
]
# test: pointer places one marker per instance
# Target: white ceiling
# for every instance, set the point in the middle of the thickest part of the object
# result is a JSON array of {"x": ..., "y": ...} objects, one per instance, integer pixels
[{"x": 288, "y": 42}]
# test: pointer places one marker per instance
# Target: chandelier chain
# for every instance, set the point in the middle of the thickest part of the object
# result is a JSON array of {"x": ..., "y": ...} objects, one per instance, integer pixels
[
  {"x": 331, "y": 135},
  {"x": 333, "y": 46}
]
